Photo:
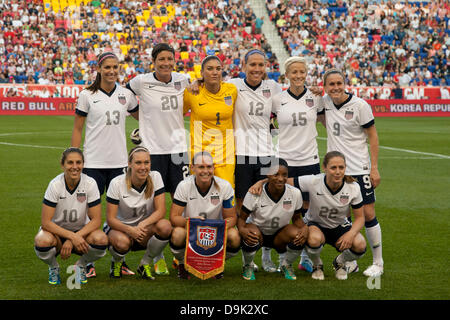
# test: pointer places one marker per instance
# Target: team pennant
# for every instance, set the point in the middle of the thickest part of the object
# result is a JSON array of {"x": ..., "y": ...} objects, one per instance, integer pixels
[{"x": 205, "y": 247}]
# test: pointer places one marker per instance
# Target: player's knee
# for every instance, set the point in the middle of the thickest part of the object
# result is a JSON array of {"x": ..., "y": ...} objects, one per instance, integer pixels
[
  {"x": 178, "y": 237},
  {"x": 164, "y": 228},
  {"x": 315, "y": 239},
  {"x": 98, "y": 238},
  {"x": 120, "y": 242},
  {"x": 44, "y": 239},
  {"x": 359, "y": 244},
  {"x": 233, "y": 238}
]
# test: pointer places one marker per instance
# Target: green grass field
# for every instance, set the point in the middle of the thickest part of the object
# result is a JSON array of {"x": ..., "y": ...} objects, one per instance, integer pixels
[{"x": 413, "y": 206}]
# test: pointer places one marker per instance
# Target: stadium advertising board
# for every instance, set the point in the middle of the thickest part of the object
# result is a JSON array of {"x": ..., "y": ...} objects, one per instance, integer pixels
[
  {"x": 37, "y": 106},
  {"x": 410, "y": 108}
]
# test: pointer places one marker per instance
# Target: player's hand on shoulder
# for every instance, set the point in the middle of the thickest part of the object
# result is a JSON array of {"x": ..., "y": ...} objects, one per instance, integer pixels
[
  {"x": 194, "y": 87},
  {"x": 256, "y": 189},
  {"x": 317, "y": 91}
]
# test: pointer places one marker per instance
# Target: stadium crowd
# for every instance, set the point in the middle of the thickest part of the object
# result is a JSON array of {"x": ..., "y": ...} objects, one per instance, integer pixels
[
  {"x": 45, "y": 44},
  {"x": 377, "y": 42}
]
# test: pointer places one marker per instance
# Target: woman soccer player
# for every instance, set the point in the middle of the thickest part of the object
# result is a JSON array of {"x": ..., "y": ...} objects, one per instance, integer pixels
[
  {"x": 206, "y": 196},
  {"x": 270, "y": 214},
  {"x": 296, "y": 111},
  {"x": 350, "y": 123},
  {"x": 71, "y": 218},
  {"x": 135, "y": 214},
  {"x": 102, "y": 108},
  {"x": 211, "y": 124}
]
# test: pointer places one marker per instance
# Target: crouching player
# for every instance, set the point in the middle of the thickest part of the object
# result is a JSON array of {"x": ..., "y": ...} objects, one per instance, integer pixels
[
  {"x": 270, "y": 214},
  {"x": 135, "y": 214},
  {"x": 205, "y": 196},
  {"x": 331, "y": 195},
  {"x": 71, "y": 219}
]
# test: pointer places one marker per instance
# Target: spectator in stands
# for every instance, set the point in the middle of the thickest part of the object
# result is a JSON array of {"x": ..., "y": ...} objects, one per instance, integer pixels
[{"x": 444, "y": 91}]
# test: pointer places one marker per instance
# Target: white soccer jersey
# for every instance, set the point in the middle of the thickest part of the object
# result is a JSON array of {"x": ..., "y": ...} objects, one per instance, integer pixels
[
  {"x": 297, "y": 117},
  {"x": 209, "y": 205},
  {"x": 71, "y": 207},
  {"x": 105, "y": 143},
  {"x": 133, "y": 207},
  {"x": 345, "y": 131},
  {"x": 252, "y": 117},
  {"x": 328, "y": 209},
  {"x": 270, "y": 215},
  {"x": 161, "y": 122}
]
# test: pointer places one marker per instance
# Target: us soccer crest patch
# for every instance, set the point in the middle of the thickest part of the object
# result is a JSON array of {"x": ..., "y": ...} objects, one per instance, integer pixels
[
  {"x": 266, "y": 93},
  {"x": 177, "y": 85},
  {"x": 348, "y": 114},
  {"x": 122, "y": 99},
  {"x": 81, "y": 197},
  {"x": 206, "y": 242},
  {"x": 309, "y": 102},
  {"x": 287, "y": 204},
  {"x": 344, "y": 198},
  {"x": 228, "y": 100},
  {"x": 215, "y": 199}
]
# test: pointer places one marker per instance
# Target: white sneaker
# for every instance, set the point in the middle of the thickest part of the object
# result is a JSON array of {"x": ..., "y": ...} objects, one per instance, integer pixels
[
  {"x": 341, "y": 271},
  {"x": 373, "y": 271},
  {"x": 254, "y": 266},
  {"x": 351, "y": 266},
  {"x": 269, "y": 266},
  {"x": 317, "y": 273}
]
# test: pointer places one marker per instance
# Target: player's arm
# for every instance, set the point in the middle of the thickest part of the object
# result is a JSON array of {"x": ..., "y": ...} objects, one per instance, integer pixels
[
  {"x": 247, "y": 235},
  {"x": 372, "y": 135},
  {"x": 346, "y": 240},
  {"x": 74, "y": 240},
  {"x": 297, "y": 220},
  {"x": 77, "y": 131},
  {"x": 159, "y": 202},
  {"x": 95, "y": 216},
  {"x": 176, "y": 215},
  {"x": 229, "y": 214}
]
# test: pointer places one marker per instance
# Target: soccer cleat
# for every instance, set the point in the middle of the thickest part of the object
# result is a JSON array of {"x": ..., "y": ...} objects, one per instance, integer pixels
[
  {"x": 374, "y": 271},
  {"x": 269, "y": 266},
  {"x": 116, "y": 270},
  {"x": 182, "y": 272},
  {"x": 247, "y": 273},
  {"x": 306, "y": 264},
  {"x": 161, "y": 267},
  {"x": 288, "y": 272},
  {"x": 351, "y": 266},
  {"x": 81, "y": 274},
  {"x": 175, "y": 263},
  {"x": 90, "y": 271},
  {"x": 254, "y": 266},
  {"x": 317, "y": 273},
  {"x": 126, "y": 271},
  {"x": 53, "y": 276},
  {"x": 145, "y": 271},
  {"x": 340, "y": 270}
]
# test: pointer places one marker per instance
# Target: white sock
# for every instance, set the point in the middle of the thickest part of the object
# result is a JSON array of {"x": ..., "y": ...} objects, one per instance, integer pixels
[
  {"x": 159, "y": 257},
  {"x": 304, "y": 255},
  {"x": 178, "y": 253},
  {"x": 47, "y": 255},
  {"x": 314, "y": 254},
  {"x": 347, "y": 255},
  {"x": 266, "y": 254},
  {"x": 116, "y": 256},
  {"x": 282, "y": 257},
  {"x": 93, "y": 254},
  {"x": 373, "y": 234},
  {"x": 248, "y": 256},
  {"x": 155, "y": 247},
  {"x": 290, "y": 256}
]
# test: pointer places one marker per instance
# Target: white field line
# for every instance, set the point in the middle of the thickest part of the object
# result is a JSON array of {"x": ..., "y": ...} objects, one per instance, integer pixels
[
  {"x": 30, "y": 146},
  {"x": 408, "y": 151}
]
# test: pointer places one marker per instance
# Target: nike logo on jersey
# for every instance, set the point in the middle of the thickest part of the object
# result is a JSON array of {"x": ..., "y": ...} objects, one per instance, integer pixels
[
  {"x": 242, "y": 90},
  {"x": 262, "y": 206},
  {"x": 62, "y": 197},
  {"x": 190, "y": 198},
  {"x": 320, "y": 194},
  {"x": 202, "y": 104},
  {"x": 284, "y": 103},
  {"x": 369, "y": 193},
  {"x": 150, "y": 86},
  {"x": 97, "y": 101},
  {"x": 124, "y": 196}
]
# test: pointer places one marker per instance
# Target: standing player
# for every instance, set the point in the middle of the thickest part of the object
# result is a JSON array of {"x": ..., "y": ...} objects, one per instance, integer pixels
[
  {"x": 270, "y": 214},
  {"x": 135, "y": 214},
  {"x": 253, "y": 140},
  {"x": 350, "y": 123},
  {"x": 206, "y": 196},
  {"x": 103, "y": 108},
  {"x": 71, "y": 218},
  {"x": 211, "y": 125},
  {"x": 331, "y": 195},
  {"x": 161, "y": 122},
  {"x": 296, "y": 111}
]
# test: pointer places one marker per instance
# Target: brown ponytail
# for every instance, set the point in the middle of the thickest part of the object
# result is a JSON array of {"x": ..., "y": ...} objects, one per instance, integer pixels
[{"x": 98, "y": 78}]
